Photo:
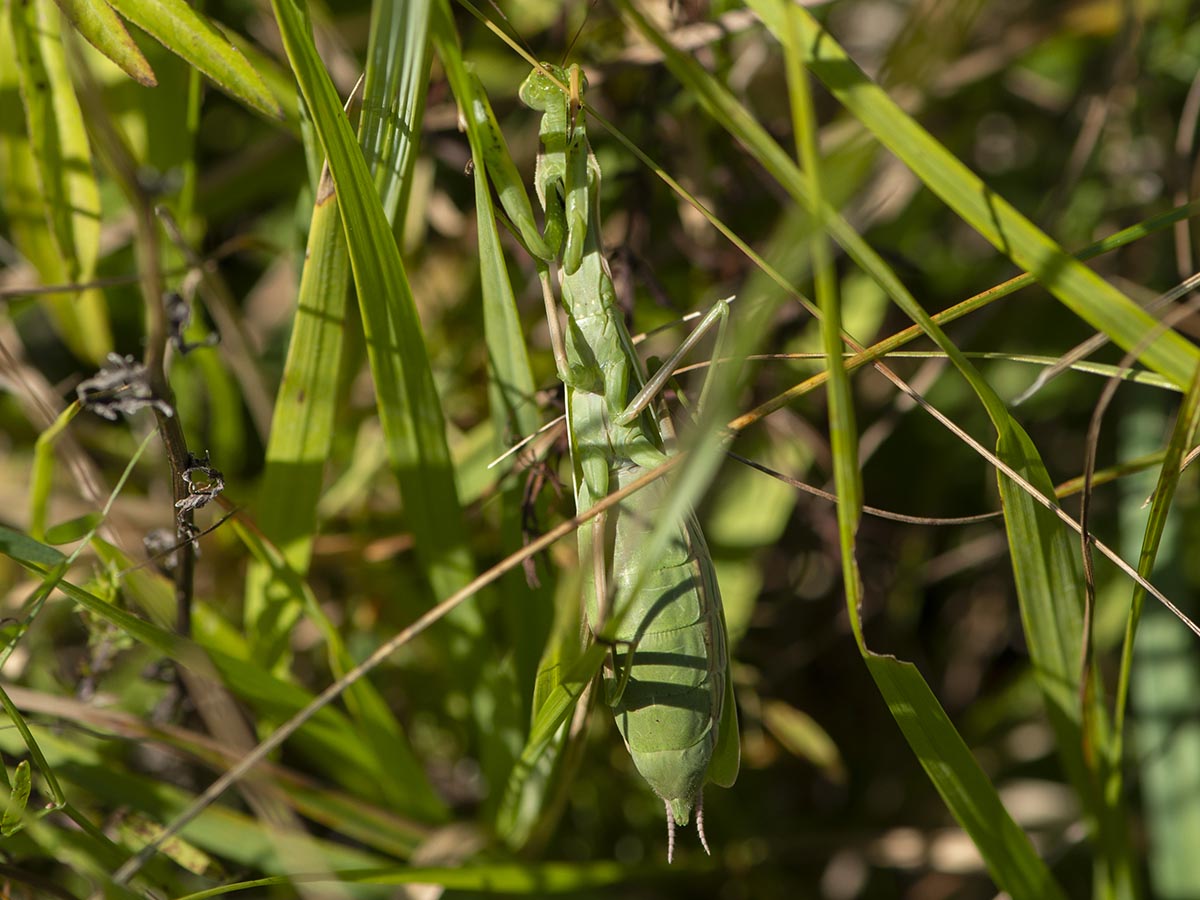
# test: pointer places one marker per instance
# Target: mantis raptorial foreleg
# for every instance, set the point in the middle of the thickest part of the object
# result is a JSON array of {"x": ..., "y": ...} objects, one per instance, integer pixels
[{"x": 717, "y": 315}]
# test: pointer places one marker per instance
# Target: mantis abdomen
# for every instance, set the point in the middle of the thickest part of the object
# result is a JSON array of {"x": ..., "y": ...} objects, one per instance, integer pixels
[{"x": 667, "y": 680}]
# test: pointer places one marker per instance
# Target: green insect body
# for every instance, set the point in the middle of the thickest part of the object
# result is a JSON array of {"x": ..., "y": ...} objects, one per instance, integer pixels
[
  {"x": 667, "y": 680},
  {"x": 670, "y": 710}
]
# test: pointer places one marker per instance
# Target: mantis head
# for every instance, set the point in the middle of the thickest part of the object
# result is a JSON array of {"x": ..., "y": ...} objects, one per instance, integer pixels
[{"x": 543, "y": 91}]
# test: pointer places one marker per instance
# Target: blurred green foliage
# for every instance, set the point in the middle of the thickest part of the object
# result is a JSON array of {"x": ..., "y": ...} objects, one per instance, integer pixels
[{"x": 1082, "y": 115}]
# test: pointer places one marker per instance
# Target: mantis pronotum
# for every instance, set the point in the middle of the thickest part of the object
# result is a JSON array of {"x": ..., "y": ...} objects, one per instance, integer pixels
[{"x": 667, "y": 681}]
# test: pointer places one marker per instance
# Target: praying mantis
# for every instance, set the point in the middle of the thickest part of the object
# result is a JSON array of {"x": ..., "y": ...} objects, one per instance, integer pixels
[{"x": 667, "y": 679}]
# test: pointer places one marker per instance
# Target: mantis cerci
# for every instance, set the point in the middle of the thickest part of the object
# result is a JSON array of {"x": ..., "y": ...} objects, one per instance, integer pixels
[{"x": 667, "y": 678}]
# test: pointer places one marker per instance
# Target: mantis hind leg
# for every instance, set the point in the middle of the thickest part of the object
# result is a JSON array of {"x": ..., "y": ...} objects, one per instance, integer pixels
[
  {"x": 604, "y": 607},
  {"x": 557, "y": 344},
  {"x": 719, "y": 316},
  {"x": 621, "y": 671},
  {"x": 625, "y": 671}
]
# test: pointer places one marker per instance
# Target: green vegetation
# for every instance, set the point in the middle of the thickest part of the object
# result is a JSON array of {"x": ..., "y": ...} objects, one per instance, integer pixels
[{"x": 275, "y": 619}]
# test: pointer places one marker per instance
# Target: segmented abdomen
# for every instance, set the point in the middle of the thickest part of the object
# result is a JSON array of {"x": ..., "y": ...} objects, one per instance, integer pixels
[{"x": 671, "y": 705}]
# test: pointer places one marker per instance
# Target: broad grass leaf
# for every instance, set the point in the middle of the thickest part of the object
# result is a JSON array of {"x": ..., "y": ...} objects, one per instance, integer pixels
[{"x": 195, "y": 38}]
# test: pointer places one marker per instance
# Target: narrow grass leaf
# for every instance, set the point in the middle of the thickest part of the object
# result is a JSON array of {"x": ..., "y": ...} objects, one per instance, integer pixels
[
  {"x": 26, "y": 550},
  {"x": 301, "y": 432},
  {"x": 514, "y": 414},
  {"x": 521, "y": 879},
  {"x": 219, "y": 830},
  {"x": 511, "y": 389},
  {"x": 302, "y": 426},
  {"x": 1009, "y": 856},
  {"x": 843, "y": 429},
  {"x": 1054, "y": 649},
  {"x": 193, "y": 37},
  {"x": 44, "y": 154},
  {"x": 396, "y": 81},
  {"x": 1011, "y": 860},
  {"x": 104, "y": 30},
  {"x": 558, "y": 705},
  {"x": 1045, "y": 564},
  {"x": 1077, "y": 287},
  {"x": 404, "y": 784},
  {"x": 34, "y": 750},
  {"x": 409, "y": 408},
  {"x": 59, "y": 141},
  {"x": 740, "y": 123},
  {"x": 1186, "y": 422},
  {"x": 323, "y": 738},
  {"x": 536, "y": 787},
  {"x": 1159, "y": 672},
  {"x": 42, "y": 477}
]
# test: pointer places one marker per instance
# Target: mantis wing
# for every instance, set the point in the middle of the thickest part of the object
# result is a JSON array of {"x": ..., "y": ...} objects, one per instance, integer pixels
[{"x": 727, "y": 755}]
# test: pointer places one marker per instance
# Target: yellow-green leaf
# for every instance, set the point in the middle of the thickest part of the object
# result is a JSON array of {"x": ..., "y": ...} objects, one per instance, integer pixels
[
  {"x": 18, "y": 799},
  {"x": 104, "y": 30},
  {"x": 196, "y": 39}
]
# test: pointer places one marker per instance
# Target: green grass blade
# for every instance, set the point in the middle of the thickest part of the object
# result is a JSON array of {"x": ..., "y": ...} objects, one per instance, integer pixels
[
  {"x": 558, "y": 705},
  {"x": 537, "y": 787},
  {"x": 25, "y": 550},
  {"x": 1010, "y": 858},
  {"x": 1159, "y": 671},
  {"x": 1081, "y": 290},
  {"x": 843, "y": 430},
  {"x": 44, "y": 155},
  {"x": 1186, "y": 423},
  {"x": 397, "y": 79},
  {"x": 514, "y": 414},
  {"x": 35, "y": 753},
  {"x": 104, "y": 30},
  {"x": 512, "y": 402},
  {"x": 1048, "y": 647},
  {"x": 1049, "y": 587},
  {"x": 193, "y": 37},
  {"x": 510, "y": 385},
  {"x": 519, "y": 879},
  {"x": 735, "y": 118},
  {"x": 302, "y": 427},
  {"x": 301, "y": 431},
  {"x": 408, "y": 404},
  {"x": 1006, "y": 850},
  {"x": 42, "y": 477},
  {"x": 220, "y": 830},
  {"x": 403, "y": 784},
  {"x": 59, "y": 141},
  {"x": 323, "y": 738}
]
